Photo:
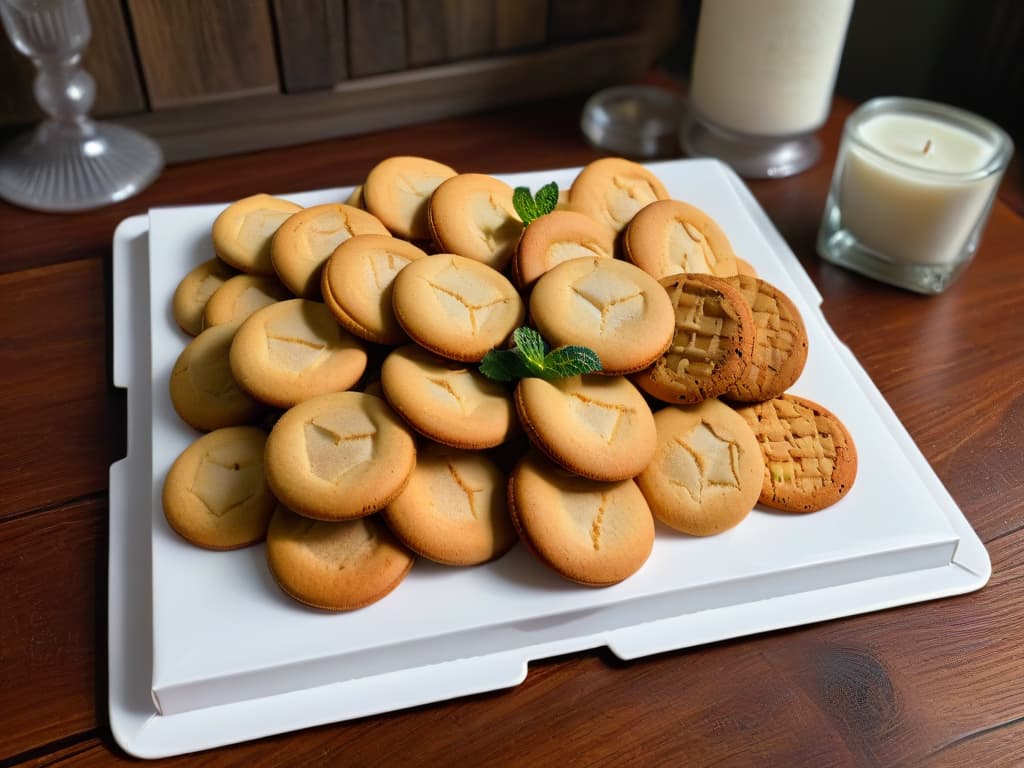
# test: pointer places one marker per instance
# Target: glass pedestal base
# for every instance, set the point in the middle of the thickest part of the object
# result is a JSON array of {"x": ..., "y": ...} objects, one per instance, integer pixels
[
  {"x": 64, "y": 167},
  {"x": 752, "y": 157}
]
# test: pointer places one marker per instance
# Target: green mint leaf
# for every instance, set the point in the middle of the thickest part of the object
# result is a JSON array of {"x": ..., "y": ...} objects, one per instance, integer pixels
[
  {"x": 570, "y": 361},
  {"x": 531, "y": 346},
  {"x": 523, "y": 202},
  {"x": 503, "y": 365},
  {"x": 547, "y": 198}
]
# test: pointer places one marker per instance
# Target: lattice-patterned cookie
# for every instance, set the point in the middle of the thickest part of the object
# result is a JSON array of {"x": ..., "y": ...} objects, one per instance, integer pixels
[
  {"x": 780, "y": 343},
  {"x": 810, "y": 459},
  {"x": 714, "y": 335}
]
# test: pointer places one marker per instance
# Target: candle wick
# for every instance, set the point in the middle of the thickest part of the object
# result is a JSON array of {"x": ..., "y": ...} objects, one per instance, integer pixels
[{"x": 927, "y": 146}]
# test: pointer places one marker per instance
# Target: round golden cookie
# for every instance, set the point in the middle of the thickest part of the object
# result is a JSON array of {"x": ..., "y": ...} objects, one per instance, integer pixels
[
  {"x": 810, "y": 461},
  {"x": 303, "y": 243},
  {"x": 195, "y": 290},
  {"x": 239, "y": 297},
  {"x": 714, "y": 336},
  {"x": 335, "y": 566},
  {"x": 294, "y": 350},
  {"x": 706, "y": 473},
  {"x": 613, "y": 307},
  {"x": 555, "y": 238},
  {"x": 596, "y": 426},
  {"x": 780, "y": 343},
  {"x": 355, "y": 197},
  {"x": 357, "y": 285},
  {"x": 203, "y": 391},
  {"x": 242, "y": 232},
  {"x": 454, "y": 510},
  {"x": 472, "y": 215},
  {"x": 215, "y": 495},
  {"x": 397, "y": 191},
  {"x": 339, "y": 456},
  {"x": 587, "y": 531},
  {"x": 447, "y": 401},
  {"x": 611, "y": 191},
  {"x": 669, "y": 237},
  {"x": 456, "y": 307},
  {"x": 744, "y": 267}
]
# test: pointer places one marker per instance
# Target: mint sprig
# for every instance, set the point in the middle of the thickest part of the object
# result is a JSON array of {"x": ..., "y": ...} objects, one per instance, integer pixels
[
  {"x": 531, "y": 357},
  {"x": 532, "y": 207}
]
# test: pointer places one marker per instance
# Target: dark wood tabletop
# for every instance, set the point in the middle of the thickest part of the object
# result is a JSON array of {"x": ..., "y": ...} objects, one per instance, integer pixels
[{"x": 935, "y": 683}]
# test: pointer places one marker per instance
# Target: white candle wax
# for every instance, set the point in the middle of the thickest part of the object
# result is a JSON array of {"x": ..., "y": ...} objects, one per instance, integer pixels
[
  {"x": 907, "y": 190},
  {"x": 767, "y": 67}
]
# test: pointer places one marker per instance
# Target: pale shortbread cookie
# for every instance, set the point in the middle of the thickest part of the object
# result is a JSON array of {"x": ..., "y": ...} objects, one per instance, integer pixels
[
  {"x": 456, "y": 307},
  {"x": 557, "y": 237},
  {"x": 596, "y": 426},
  {"x": 780, "y": 343},
  {"x": 613, "y": 307},
  {"x": 447, "y": 401},
  {"x": 714, "y": 336},
  {"x": 809, "y": 455},
  {"x": 357, "y": 285},
  {"x": 294, "y": 350},
  {"x": 303, "y": 243},
  {"x": 454, "y": 510},
  {"x": 589, "y": 532},
  {"x": 242, "y": 232},
  {"x": 472, "y": 215},
  {"x": 240, "y": 296},
  {"x": 203, "y": 391},
  {"x": 355, "y": 197},
  {"x": 339, "y": 456},
  {"x": 744, "y": 267},
  {"x": 668, "y": 237},
  {"x": 195, "y": 290},
  {"x": 611, "y": 191},
  {"x": 706, "y": 474},
  {"x": 215, "y": 494},
  {"x": 335, "y": 566},
  {"x": 398, "y": 190}
]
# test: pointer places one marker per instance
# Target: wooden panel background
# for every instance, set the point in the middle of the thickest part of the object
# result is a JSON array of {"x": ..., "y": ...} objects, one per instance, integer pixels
[
  {"x": 376, "y": 33},
  {"x": 194, "y": 51},
  {"x": 312, "y": 41},
  {"x": 449, "y": 30},
  {"x": 520, "y": 24}
]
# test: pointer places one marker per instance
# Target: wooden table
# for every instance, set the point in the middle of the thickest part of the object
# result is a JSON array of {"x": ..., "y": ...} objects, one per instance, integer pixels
[{"x": 939, "y": 683}]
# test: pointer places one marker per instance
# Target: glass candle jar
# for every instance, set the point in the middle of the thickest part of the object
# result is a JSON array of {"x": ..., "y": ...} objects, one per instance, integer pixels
[{"x": 912, "y": 189}]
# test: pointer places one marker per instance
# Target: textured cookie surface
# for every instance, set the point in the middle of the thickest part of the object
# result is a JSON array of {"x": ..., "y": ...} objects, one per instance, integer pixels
[
  {"x": 456, "y": 307},
  {"x": 304, "y": 242},
  {"x": 557, "y": 237},
  {"x": 203, "y": 390},
  {"x": 472, "y": 215},
  {"x": 707, "y": 471},
  {"x": 240, "y": 296},
  {"x": 357, "y": 285},
  {"x": 335, "y": 566},
  {"x": 339, "y": 456},
  {"x": 780, "y": 343},
  {"x": 215, "y": 494},
  {"x": 611, "y": 191},
  {"x": 809, "y": 455},
  {"x": 242, "y": 232},
  {"x": 447, "y": 401},
  {"x": 589, "y": 532},
  {"x": 294, "y": 350},
  {"x": 596, "y": 426},
  {"x": 714, "y": 336},
  {"x": 397, "y": 191},
  {"x": 615, "y": 308},
  {"x": 195, "y": 290},
  {"x": 454, "y": 509},
  {"x": 669, "y": 237}
]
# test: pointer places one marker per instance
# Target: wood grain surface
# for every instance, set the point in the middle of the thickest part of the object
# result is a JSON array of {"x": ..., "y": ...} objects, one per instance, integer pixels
[
  {"x": 449, "y": 30},
  {"x": 376, "y": 33},
  {"x": 312, "y": 43},
  {"x": 938, "y": 683}
]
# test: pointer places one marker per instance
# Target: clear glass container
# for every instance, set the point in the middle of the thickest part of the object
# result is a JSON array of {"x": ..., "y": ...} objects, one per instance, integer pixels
[
  {"x": 912, "y": 189},
  {"x": 69, "y": 162}
]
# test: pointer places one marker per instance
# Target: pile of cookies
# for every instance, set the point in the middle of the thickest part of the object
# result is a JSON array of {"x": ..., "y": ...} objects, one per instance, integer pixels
[{"x": 335, "y": 373}]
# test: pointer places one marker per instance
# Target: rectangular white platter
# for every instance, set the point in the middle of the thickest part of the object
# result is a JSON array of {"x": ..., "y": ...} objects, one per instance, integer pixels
[{"x": 205, "y": 650}]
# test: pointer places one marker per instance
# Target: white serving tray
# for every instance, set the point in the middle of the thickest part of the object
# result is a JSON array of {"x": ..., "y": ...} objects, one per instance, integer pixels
[{"x": 205, "y": 650}]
